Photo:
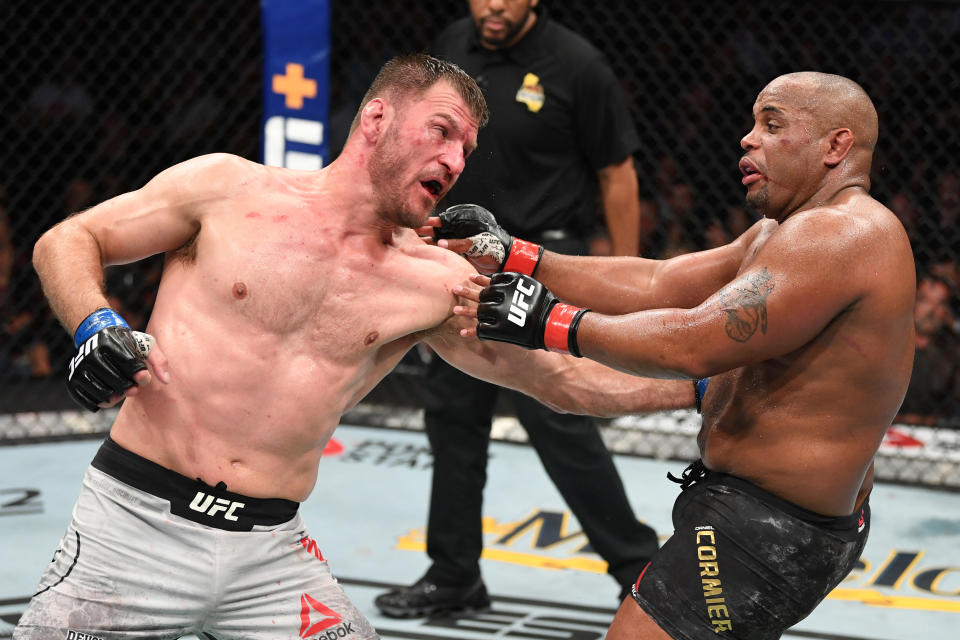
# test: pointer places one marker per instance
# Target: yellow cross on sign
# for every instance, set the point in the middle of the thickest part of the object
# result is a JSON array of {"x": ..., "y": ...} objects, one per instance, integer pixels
[{"x": 294, "y": 86}]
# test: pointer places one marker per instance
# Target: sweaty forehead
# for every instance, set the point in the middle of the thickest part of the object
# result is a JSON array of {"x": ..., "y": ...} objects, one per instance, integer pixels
[
  {"x": 788, "y": 97},
  {"x": 443, "y": 100}
]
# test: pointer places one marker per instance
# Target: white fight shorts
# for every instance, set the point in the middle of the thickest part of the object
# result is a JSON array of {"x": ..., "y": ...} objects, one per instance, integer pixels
[{"x": 153, "y": 554}]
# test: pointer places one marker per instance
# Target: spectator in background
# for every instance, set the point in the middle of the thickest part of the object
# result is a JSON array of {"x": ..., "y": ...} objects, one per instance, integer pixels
[
  {"x": 937, "y": 235},
  {"x": 682, "y": 220},
  {"x": 23, "y": 353},
  {"x": 715, "y": 233},
  {"x": 949, "y": 270},
  {"x": 77, "y": 196},
  {"x": 739, "y": 219},
  {"x": 948, "y": 202},
  {"x": 933, "y": 397},
  {"x": 906, "y": 209},
  {"x": 559, "y": 129},
  {"x": 732, "y": 223}
]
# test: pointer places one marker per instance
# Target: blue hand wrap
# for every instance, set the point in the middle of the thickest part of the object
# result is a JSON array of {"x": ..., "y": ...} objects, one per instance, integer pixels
[
  {"x": 699, "y": 389},
  {"x": 99, "y": 319}
]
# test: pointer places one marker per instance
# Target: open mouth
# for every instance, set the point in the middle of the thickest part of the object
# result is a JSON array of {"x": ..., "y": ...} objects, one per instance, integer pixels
[
  {"x": 750, "y": 171},
  {"x": 433, "y": 186}
]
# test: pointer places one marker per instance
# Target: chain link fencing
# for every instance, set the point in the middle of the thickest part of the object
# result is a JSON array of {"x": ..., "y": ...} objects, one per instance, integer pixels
[{"x": 99, "y": 97}]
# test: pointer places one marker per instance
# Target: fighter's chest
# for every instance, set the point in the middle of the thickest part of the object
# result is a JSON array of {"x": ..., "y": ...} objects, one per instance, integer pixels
[{"x": 314, "y": 287}]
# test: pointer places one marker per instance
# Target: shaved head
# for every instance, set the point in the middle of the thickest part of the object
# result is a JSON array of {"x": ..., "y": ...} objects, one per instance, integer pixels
[
  {"x": 832, "y": 101},
  {"x": 813, "y": 133}
]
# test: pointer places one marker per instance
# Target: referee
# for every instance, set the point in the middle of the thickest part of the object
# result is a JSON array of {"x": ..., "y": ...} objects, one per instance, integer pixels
[{"x": 559, "y": 135}]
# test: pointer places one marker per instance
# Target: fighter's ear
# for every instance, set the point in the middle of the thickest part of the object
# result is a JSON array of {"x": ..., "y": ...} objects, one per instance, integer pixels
[
  {"x": 372, "y": 118},
  {"x": 839, "y": 141}
]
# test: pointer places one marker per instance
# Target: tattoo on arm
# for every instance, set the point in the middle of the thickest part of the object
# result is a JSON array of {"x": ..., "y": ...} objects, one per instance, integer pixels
[{"x": 745, "y": 303}]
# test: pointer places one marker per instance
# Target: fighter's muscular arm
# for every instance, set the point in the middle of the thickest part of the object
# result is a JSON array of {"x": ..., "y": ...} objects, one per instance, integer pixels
[
  {"x": 802, "y": 278},
  {"x": 162, "y": 215},
  {"x": 562, "y": 382},
  {"x": 70, "y": 257},
  {"x": 622, "y": 285},
  {"x": 607, "y": 285}
]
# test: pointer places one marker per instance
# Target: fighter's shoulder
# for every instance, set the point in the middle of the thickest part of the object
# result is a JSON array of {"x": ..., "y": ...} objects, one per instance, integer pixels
[
  {"x": 442, "y": 263},
  {"x": 852, "y": 226},
  {"x": 208, "y": 171}
]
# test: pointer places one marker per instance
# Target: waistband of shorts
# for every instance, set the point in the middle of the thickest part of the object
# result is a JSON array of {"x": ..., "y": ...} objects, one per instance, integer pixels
[
  {"x": 829, "y": 523},
  {"x": 192, "y": 499}
]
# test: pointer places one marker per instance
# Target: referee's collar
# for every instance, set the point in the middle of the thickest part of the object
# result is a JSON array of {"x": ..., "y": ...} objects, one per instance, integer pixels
[{"x": 524, "y": 47}]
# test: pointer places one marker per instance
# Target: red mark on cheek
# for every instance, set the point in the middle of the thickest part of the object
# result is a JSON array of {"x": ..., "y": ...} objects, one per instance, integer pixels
[
  {"x": 280, "y": 218},
  {"x": 252, "y": 214},
  {"x": 856, "y": 347}
]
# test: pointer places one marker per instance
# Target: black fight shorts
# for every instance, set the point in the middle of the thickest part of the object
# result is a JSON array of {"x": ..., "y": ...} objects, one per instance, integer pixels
[{"x": 743, "y": 563}]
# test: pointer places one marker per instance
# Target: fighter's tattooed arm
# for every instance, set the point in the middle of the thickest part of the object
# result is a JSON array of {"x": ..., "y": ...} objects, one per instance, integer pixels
[{"x": 745, "y": 303}]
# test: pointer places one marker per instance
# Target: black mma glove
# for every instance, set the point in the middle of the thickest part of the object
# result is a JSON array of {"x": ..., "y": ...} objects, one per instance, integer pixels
[
  {"x": 490, "y": 240},
  {"x": 517, "y": 309},
  {"x": 106, "y": 361}
]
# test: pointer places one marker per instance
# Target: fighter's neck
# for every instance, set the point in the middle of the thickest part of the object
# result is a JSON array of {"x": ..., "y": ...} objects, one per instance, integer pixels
[
  {"x": 828, "y": 197},
  {"x": 348, "y": 196}
]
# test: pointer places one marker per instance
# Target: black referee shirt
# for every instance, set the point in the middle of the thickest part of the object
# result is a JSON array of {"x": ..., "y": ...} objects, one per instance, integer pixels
[{"x": 557, "y": 115}]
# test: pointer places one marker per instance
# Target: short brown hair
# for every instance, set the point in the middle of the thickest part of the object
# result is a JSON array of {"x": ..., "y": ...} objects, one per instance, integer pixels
[{"x": 413, "y": 74}]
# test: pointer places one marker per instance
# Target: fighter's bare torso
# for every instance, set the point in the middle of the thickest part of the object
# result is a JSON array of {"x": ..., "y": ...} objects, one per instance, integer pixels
[
  {"x": 277, "y": 316},
  {"x": 806, "y": 425}
]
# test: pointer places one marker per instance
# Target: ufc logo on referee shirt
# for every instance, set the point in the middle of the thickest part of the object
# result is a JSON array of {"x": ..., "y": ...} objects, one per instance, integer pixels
[
  {"x": 519, "y": 305},
  {"x": 205, "y": 503}
]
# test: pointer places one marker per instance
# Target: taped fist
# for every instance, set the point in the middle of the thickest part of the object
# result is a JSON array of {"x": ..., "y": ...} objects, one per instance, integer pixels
[
  {"x": 487, "y": 245},
  {"x": 108, "y": 356},
  {"x": 517, "y": 309}
]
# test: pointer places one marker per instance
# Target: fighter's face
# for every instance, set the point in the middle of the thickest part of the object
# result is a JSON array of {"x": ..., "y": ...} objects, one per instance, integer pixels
[
  {"x": 931, "y": 311},
  {"x": 421, "y": 153},
  {"x": 500, "y": 22},
  {"x": 782, "y": 157}
]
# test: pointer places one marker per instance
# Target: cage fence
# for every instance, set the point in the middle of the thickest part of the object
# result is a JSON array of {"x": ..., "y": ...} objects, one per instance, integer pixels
[{"x": 99, "y": 97}]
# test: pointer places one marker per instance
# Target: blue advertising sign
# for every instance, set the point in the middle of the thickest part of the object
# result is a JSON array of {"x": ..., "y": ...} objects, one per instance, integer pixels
[{"x": 296, "y": 81}]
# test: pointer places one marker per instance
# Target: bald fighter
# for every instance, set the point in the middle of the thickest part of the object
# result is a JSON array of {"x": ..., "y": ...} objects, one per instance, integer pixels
[
  {"x": 801, "y": 353},
  {"x": 285, "y": 297}
]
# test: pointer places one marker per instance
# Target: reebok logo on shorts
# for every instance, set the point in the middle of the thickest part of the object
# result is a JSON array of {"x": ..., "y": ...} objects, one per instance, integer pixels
[
  {"x": 316, "y": 619},
  {"x": 79, "y": 635},
  {"x": 311, "y": 546}
]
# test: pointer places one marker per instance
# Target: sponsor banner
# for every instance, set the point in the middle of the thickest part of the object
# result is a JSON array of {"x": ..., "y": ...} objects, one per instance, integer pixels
[
  {"x": 546, "y": 539},
  {"x": 296, "y": 79}
]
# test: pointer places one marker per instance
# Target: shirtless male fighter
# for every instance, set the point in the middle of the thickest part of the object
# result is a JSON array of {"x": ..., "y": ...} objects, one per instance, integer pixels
[
  {"x": 807, "y": 343},
  {"x": 285, "y": 297}
]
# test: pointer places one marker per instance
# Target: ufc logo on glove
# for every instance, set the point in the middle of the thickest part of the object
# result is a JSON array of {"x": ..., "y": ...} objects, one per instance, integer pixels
[
  {"x": 512, "y": 298},
  {"x": 521, "y": 304}
]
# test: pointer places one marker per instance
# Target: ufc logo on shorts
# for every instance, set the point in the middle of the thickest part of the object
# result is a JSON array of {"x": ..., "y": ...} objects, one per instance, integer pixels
[
  {"x": 205, "y": 503},
  {"x": 520, "y": 306},
  {"x": 77, "y": 635},
  {"x": 82, "y": 351}
]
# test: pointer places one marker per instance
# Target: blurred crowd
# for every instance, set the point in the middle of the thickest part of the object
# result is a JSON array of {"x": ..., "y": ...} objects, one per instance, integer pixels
[{"x": 78, "y": 134}]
